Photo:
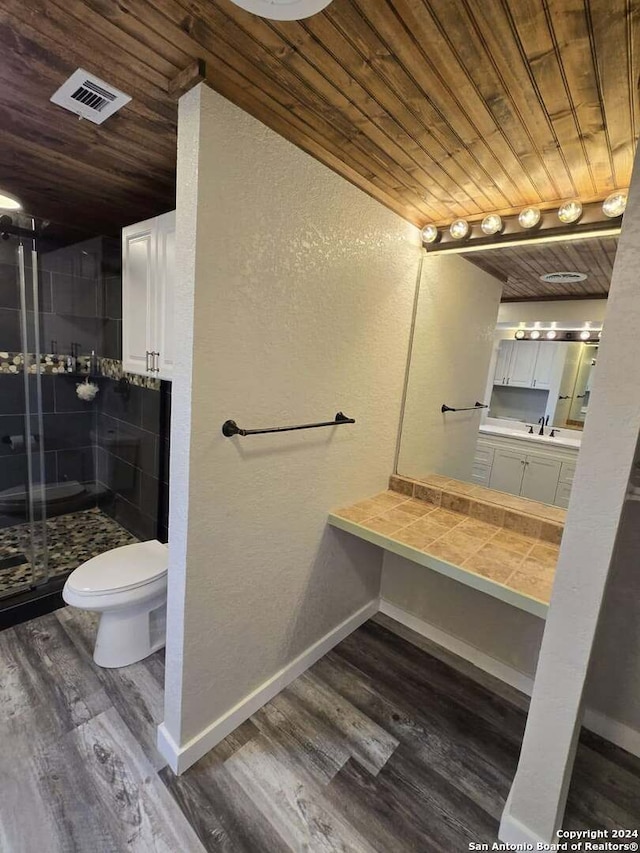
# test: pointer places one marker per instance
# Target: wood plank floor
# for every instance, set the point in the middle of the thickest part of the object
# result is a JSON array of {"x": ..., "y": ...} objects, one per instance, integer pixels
[{"x": 384, "y": 745}]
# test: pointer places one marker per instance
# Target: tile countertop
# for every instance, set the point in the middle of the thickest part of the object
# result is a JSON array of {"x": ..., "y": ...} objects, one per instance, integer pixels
[
  {"x": 561, "y": 440},
  {"x": 515, "y": 568}
]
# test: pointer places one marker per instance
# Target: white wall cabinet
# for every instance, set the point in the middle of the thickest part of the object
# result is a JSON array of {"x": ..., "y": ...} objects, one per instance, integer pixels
[
  {"x": 527, "y": 364},
  {"x": 148, "y": 272},
  {"x": 518, "y": 467}
]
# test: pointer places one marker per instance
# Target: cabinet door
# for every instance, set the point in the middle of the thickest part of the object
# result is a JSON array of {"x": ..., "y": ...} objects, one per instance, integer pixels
[
  {"x": 540, "y": 480},
  {"x": 523, "y": 363},
  {"x": 138, "y": 263},
  {"x": 507, "y": 471},
  {"x": 165, "y": 274},
  {"x": 505, "y": 353},
  {"x": 543, "y": 373}
]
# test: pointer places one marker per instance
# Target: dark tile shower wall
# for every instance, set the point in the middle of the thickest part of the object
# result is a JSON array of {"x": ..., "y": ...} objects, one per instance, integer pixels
[
  {"x": 119, "y": 443},
  {"x": 132, "y": 456}
]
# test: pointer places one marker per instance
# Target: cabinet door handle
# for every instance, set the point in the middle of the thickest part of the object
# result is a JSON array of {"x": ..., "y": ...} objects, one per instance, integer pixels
[
  {"x": 157, "y": 362},
  {"x": 147, "y": 368},
  {"x": 534, "y": 382}
]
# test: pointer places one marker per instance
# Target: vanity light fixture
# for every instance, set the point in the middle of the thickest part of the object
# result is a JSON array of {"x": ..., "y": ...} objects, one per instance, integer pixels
[
  {"x": 9, "y": 202},
  {"x": 529, "y": 217},
  {"x": 492, "y": 224},
  {"x": 557, "y": 335},
  {"x": 430, "y": 234},
  {"x": 614, "y": 205},
  {"x": 569, "y": 212},
  {"x": 459, "y": 229}
]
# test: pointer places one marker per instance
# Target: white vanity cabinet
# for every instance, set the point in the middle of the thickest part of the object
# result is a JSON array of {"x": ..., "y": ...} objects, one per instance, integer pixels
[
  {"x": 148, "y": 272},
  {"x": 541, "y": 473}
]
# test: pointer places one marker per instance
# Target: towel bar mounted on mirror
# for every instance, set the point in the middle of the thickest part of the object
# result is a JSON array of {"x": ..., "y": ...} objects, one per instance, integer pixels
[
  {"x": 231, "y": 428},
  {"x": 475, "y": 406}
]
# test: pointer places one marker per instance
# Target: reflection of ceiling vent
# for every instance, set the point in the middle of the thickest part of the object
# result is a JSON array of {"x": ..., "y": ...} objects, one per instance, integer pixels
[
  {"x": 563, "y": 277},
  {"x": 89, "y": 97}
]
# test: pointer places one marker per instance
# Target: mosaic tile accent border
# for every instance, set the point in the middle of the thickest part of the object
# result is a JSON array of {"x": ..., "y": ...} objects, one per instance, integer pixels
[
  {"x": 54, "y": 364},
  {"x": 112, "y": 368}
]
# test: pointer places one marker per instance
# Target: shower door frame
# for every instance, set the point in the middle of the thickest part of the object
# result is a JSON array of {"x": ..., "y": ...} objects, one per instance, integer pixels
[{"x": 35, "y": 493}]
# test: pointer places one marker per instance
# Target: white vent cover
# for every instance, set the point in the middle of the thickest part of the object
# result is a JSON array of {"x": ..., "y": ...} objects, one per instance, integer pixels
[
  {"x": 89, "y": 97},
  {"x": 563, "y": 277},
  {"x": 283, "y": 10}
]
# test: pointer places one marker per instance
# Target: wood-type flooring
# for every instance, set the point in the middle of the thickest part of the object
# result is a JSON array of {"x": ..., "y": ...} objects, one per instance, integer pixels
[{"x": 384, "y": 745}]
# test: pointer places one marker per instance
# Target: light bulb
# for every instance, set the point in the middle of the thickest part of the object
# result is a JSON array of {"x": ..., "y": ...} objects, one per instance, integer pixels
[
  {"x": 430, "y": 234},
  {"x": 551, "y": 334},
  {"x": 614, "y": 205},
  {"x": 459, "y": 229},
  {"x": 534, "y": 335},
  {"x": 529, "y": 217},
  {"x": 570, "y": 212},
  {"x": 9, "y": 202},
  {"x": 492, "y": 224},
  {"x": 585, "y": 335},
  {"x": 519, "y": 334}
]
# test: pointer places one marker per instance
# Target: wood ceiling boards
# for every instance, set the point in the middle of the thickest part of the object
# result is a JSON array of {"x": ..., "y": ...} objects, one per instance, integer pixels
[
  {"x": 521, "y": 267},
  {"x": 437, "y": 108}
]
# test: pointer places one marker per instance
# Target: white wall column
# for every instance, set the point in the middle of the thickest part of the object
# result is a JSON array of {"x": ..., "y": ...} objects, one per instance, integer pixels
[{"x": 536, "y": 803}]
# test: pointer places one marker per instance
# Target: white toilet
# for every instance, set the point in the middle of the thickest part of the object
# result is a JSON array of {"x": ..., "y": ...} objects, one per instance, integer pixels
[{"x": 128, "y": 587}]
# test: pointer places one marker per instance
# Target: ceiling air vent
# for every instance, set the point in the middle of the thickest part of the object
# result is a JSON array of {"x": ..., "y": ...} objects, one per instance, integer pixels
[
  {"x": 89, "y": 97},
  {"x": 563, "y": 277}
]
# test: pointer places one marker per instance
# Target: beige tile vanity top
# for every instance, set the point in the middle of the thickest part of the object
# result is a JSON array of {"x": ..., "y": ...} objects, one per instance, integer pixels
[{"x": 484, "y": 538}]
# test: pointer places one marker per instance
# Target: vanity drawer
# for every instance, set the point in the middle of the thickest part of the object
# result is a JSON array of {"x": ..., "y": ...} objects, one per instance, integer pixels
[
  {"x": 567, "y": 473},
  {"x": 481, "y": 474},
  {"x": 562, "y": 495},
  {"x": 483, "y": 455}
]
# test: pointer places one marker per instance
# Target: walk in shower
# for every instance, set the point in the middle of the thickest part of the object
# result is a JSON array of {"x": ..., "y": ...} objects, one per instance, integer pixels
[{"x": 82, "y": 470}]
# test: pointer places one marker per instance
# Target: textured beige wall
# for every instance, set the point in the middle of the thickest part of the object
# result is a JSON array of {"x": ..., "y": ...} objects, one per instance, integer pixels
[
  {"x": 503, "y": 632},
  {"x": 300, "y": 289},
  {"x": 452, "y": 345}
]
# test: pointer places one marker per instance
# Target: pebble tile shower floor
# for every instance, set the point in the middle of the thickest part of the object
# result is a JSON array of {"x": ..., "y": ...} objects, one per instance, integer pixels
[{"x": 71, "y": 539}]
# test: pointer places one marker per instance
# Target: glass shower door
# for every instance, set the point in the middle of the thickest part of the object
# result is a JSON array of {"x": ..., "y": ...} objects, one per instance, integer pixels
[{"x": 23, "y": 527}]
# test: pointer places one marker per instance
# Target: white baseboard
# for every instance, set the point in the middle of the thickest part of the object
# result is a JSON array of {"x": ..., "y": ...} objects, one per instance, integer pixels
[
  {"x": 612, "y": 730},
  {"x": 180, "y": 758},
  {"x": 456, "y": 646}
]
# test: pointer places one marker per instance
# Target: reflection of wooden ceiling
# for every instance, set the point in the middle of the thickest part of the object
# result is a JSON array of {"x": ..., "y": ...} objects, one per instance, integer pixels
[
  {"x": 520, "y": 268},
  {"x": 438, "y": 108}
]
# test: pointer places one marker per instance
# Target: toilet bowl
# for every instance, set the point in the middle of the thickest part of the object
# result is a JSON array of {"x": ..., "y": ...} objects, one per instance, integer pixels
[{"x": 128, "y": 587}]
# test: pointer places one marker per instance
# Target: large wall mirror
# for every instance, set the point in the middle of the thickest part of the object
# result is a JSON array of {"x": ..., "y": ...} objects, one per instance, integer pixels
[{"x": 519, "y": 330}]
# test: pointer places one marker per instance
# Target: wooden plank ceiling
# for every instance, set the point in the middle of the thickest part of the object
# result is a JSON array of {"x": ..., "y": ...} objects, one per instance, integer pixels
[
  {"x": 520, "y": 268},
  {"x": 437, "y": 108}
]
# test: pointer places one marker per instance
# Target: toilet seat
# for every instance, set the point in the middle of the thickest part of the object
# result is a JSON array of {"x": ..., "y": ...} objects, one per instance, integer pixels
[{"x": 120, "y": 570}]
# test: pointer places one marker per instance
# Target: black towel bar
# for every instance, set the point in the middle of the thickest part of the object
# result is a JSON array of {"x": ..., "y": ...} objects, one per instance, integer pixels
[
  {"x": 230, "y": 428},
  {"x": 476, "y": 405}
]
